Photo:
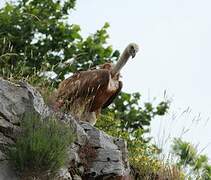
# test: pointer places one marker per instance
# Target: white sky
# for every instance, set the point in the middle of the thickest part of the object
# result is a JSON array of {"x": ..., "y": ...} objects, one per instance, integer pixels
[{"x": 175, "y": 41}]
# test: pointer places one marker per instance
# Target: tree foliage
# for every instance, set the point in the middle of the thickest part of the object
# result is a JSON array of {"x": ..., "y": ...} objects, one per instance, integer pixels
[
  {"x": 36, "y": 36},
  {"x": 127, "y": 108}
]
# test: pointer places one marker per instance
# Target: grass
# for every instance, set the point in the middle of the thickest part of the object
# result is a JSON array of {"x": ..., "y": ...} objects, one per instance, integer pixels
[
  {"x": 145, "y": 167},
  {"x": 41, "y": 147}
]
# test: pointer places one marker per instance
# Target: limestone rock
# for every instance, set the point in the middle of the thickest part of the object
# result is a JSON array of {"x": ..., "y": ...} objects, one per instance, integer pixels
[
  {"x": 6, "y": 172},
  {"x": 93, "y": 155},
  {"x": 64, "y": 174}
]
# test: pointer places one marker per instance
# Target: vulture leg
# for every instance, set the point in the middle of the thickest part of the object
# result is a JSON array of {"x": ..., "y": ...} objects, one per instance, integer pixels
[{"x": 89, "y": 117}]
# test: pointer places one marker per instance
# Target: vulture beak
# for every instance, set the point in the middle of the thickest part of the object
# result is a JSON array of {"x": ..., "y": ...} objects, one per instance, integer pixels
[{"x": 133, "y": 53}]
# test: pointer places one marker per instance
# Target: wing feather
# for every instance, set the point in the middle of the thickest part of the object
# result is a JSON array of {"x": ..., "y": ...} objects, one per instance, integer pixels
[{"x": 83, "y": 84}]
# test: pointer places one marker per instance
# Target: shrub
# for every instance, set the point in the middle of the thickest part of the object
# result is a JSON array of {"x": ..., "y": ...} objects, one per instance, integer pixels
[
  {"x": 41, "y": 146},
  {"x": 144, "y": 161},
  {"x": 146, "y": 167}
]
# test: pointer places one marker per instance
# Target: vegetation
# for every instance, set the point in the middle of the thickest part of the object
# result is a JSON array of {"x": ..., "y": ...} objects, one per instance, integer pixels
[
  {"x": 36, "y": 38},
  {"x": 143, "y": 155},
  {"x": 41, "y": 147},
  {"x": 39, "y": 45},
  {"x": 195, "y": 165},
  {"x": 36, "y": 41}
]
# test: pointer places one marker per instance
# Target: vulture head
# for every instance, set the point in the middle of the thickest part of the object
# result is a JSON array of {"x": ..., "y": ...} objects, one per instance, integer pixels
[{"x": 130, "y": 51}]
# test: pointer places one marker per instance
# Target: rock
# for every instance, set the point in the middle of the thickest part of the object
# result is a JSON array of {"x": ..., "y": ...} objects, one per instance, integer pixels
[
  {"x": 64, "y": 174},
  {"x": 6, "y": 172},
  {"x": 109, "y": 158},
  {"x": 93, "y": 155},
  {"x": 76, "y": 177}
]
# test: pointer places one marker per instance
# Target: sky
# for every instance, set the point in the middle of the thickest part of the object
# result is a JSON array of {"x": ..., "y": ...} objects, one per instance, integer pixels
[{"x": 175, "y": 42}]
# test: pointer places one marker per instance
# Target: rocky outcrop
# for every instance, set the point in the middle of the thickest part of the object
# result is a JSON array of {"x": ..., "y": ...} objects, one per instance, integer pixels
[{"x": 93, "y": 155}]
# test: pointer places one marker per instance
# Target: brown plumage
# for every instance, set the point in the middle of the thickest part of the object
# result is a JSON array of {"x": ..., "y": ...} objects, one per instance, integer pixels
[{"x": 86, "y": 92}]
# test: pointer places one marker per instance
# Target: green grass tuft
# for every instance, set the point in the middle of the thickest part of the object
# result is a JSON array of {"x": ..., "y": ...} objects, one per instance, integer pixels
[{"x": 41, "y": 147}]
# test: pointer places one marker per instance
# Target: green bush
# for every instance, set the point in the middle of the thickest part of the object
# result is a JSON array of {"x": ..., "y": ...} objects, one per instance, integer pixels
[{"x": 41, "y": 146}]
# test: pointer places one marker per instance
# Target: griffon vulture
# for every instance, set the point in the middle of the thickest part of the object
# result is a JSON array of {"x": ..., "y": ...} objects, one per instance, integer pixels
[{"x": 86, "y": 92}]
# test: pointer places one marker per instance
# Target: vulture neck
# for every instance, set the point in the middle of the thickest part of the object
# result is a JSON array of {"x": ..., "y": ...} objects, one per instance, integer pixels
[{"x": 120, "y": 63}]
